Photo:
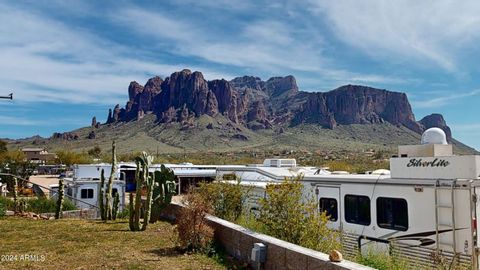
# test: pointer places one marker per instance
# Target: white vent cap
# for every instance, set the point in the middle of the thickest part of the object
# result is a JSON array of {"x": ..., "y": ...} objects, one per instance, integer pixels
[{"x": 434, "y": 136}]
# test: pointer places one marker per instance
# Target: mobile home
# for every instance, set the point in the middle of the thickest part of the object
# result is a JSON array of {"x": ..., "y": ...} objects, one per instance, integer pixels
[{"x": 426, "y": 206}]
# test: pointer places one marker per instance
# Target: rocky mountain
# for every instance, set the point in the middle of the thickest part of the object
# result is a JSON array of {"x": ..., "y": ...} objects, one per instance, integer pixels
[{"x": 255, "y": 104}]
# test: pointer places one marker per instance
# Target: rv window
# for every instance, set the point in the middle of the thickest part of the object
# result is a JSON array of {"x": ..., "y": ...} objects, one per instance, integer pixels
[
  {"x": 87, "y": 193},
  {"x": 329, "y": 205},
  {"x": 392, "y": 213},
  {"x": 114, "y": 191},
  {"x": 357, "y": 209}
]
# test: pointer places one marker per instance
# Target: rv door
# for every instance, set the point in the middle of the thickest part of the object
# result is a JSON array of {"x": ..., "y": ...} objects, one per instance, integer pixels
[{"x": 328, "y": 199}]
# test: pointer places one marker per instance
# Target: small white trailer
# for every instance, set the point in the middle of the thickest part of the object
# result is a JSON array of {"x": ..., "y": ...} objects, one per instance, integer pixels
[{"x": 427, "y": 205}]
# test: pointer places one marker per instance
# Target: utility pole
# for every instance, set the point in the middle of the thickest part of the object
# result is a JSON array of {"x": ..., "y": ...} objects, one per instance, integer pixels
[{"x": 7, "y": 97}]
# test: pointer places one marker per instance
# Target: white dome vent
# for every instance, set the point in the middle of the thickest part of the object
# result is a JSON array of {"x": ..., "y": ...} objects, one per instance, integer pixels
[{"x": 434, "y": 136}]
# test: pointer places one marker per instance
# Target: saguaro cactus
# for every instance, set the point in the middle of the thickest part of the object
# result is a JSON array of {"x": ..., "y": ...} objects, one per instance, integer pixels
[
  {"x": 143, "y": 178},
  {"x": 131, "y": 213},
  {"x": 15, "y": 194},
  {"x": 108, "y": 200},
  {"x": 116, "y": 202},
  {"x": 101, "y": 193},
  {"x": 58, "y": 212},
  {"x": 163, "y": 191}
]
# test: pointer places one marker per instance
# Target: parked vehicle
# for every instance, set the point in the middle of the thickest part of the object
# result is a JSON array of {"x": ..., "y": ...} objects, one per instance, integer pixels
[{"x": 427, "y": 205}]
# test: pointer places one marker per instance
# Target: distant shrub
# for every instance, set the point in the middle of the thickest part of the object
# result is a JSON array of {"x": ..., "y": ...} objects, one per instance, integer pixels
[
  {"x": 226, "y": 200},
  {"x": 42, "y": 205},
  {"x": 3, "y": 209},
  {"x": 124, "y": 213}
]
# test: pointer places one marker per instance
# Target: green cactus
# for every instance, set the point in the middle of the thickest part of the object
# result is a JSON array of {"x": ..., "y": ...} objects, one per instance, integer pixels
[
  {"x": 15, "y": 194},
  {"x": 116, "y": 202},
  {"x": 163, "y": 191},
  {"x": 58, "y": 212},
  {"x": 143, "y": 178},
  {"x": 101, "y": 193},
  {"x": 108, "y": 201},
  {"x": 131, "y": 213}
]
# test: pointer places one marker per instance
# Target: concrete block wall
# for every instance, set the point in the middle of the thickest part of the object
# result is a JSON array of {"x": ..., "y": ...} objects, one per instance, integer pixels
[{"x": 238, "y": 242}]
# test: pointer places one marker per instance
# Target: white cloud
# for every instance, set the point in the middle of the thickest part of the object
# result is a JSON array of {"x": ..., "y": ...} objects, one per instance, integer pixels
[
  {"x": 419, "y": 30},
  {"x": 46, "y": 60},
  {"x": 444, "y": 100}
]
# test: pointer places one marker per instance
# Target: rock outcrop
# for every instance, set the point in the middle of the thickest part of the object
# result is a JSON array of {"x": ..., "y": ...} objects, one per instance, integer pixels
[
  {"x": 255, "y": 104},
  {"x": 68, "y": 136},
  {"x": 436, "y": 120}
]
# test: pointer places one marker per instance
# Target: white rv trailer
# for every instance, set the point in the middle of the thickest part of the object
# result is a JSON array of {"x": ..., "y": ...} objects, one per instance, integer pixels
[
  {"x": 427, "y": 205},
  {"x": 85, "y": 191},
  {"x": 186, "y": 173}
]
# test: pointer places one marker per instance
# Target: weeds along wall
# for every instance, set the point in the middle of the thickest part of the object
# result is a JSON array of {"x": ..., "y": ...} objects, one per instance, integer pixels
[{"x": 238, "y": 242}]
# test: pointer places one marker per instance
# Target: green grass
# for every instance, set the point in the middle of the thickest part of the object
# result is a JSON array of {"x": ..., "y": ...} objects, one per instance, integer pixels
[{"x": 81, "y": 244}]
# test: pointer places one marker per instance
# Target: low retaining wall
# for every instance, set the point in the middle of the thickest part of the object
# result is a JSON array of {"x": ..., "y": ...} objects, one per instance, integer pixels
[
  {"x": 238, "y": 242},
  {"x": 82, "y": 214}
]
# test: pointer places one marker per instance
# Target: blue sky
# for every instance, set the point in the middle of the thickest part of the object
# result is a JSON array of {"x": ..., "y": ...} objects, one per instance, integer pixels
[{"x": 67, "y": 61}]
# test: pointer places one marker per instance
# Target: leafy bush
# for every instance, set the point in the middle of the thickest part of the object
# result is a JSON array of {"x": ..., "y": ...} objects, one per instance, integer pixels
[
  {"x": 193, "y": 231},
  {"x": 226, "y": 199},
  {"x": 287, "y": 215}
]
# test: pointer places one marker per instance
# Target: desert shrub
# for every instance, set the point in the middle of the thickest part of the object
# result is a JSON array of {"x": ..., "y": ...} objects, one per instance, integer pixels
[
  {"x": 37, "y": 205},
  {"x": 227, "y": 200},
  {"x": 287, "y": 215},
  {"x": 3, "y": 209},
  {"x": 382, "y": 261},
  {"x": 194, "y": 233},
  {"x": 124, "y": 213},
  {"x": 7, "y": 203},
  {"x": 69, "y": 158}
]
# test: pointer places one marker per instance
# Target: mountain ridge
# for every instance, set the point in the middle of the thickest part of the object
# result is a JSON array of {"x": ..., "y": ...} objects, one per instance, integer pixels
[
  {"x": 257, "y": 104},
  {"x": 185, "y": 112}
]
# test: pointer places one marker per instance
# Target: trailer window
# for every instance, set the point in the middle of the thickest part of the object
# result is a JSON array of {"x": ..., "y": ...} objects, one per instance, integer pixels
[
  {"x": 329, "y": 205},
  {"x": 392, "y": 213},
  {"x": 86, "y": 193},
  {"x": 357, "y": 209}
]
